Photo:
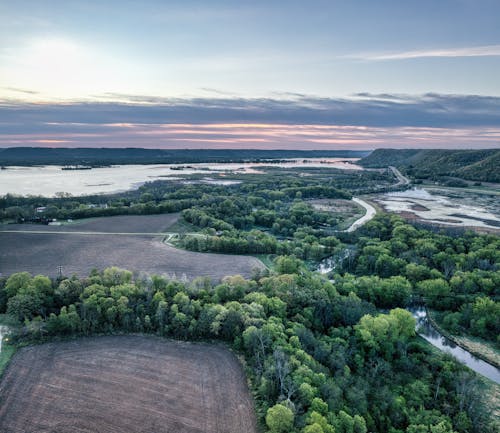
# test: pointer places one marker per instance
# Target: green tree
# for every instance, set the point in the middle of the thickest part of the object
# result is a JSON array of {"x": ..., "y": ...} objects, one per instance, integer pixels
[
  {"x": 15, "y": 282},
  {"x": 279, "y": 419}
]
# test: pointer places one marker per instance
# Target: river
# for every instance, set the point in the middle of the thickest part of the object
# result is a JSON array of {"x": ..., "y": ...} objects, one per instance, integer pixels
[
  {"x": 427, "y": 331},
  {"x": 4, "y": 330},
  {"x": 49, "y": 180}
]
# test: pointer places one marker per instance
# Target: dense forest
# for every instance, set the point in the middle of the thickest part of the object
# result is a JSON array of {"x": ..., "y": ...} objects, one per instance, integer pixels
[
  {"x": 331, "y": 356},
  {"x": 26, "y": 156},
  {"x": 475, "y": 165},
  {"x": 458, "y": 276}
]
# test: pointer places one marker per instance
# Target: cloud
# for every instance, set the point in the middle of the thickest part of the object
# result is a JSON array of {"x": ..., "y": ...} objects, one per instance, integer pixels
[
  {"x": 265, "y": 136},
  {"x": 363, "y": 121},
  {"x": 429, "y": 110},
  {"x": 478, "y": 51},
  {"x": 18, "y": 90}
]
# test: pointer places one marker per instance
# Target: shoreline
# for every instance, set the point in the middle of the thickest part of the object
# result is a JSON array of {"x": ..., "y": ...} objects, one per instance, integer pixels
[{"x": 459, "y": 343}]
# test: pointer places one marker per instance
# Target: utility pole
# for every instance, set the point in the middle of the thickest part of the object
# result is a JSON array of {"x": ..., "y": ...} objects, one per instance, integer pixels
[{"x": 59, "y": 269}]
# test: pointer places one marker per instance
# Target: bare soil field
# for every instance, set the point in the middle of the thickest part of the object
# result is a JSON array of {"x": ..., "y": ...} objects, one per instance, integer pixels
[
  {"x": 43, "y": 253},
  {"x": 113, "y": 224},
  {"x": 125, "y": 384}
]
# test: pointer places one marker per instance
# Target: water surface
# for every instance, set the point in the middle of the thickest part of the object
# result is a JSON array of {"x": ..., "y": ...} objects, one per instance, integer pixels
[
  {"x": 49, "y": 180},
  {"x": 440, "y": 209},
  {"x": 4, "y": 330},
  {"x": 427, "y": 331}
]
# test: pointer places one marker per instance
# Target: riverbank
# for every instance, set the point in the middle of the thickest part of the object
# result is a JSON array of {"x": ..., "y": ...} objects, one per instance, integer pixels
[
  {"x": 476, "y": 348},
  {"x": 427, "y": 329},
  {"x": 489, "y": 389}
]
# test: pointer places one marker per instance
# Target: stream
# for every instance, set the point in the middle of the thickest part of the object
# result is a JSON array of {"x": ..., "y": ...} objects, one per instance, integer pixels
[
  {"x": 427, "y": 331},
  {"x": 4, "y": 330},
  {"x": 332, "y": 262}
]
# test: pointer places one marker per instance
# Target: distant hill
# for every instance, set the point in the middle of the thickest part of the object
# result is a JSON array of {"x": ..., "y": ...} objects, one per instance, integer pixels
[
  {"x": 27, "y": 156},
  {"x": 478, "y": 165}
]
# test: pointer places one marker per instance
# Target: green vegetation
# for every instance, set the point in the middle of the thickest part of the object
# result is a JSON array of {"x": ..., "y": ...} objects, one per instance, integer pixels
[
  {"x": 487, "y": 350},
  {"x": 320, "y": 356},
  {"x": 7, "y": 350},
  {"x": 435, "y": 164},
  {"x": 171, "y": 196},
  {"x": 458, "y": 276},
  {"x": 297, "y": 224},
  {"x": 5, "y": 354}
]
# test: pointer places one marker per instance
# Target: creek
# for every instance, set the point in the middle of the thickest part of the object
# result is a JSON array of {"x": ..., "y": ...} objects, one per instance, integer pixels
[{"x": 432, "y": 335}]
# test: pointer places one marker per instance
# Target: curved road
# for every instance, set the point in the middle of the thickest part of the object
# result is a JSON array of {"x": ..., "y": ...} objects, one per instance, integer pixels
[
  {"x": 402, "y": 180},
  {"x": 370, "y": 213},
  {"x": 370, "y": 210}
]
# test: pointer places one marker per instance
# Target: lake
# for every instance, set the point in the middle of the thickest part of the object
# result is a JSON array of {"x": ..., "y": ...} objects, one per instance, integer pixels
[{"x": 49, "y": 180}]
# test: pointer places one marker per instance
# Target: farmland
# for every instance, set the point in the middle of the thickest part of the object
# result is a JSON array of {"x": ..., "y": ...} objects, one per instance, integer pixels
[
  {"x": 111, "y": 241},
  {"x": 115, "y": 224},
  {"x": 126, "y": 384}
]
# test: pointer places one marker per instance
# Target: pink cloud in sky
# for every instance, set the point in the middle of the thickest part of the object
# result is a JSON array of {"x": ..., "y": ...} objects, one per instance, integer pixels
[{"x": 254, "y": 135}]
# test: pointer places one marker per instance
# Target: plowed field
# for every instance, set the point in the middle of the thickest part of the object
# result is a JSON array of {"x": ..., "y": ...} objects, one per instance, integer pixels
[
  {"x": 128, "y": 242},
  {"x": 125, "y": 384}
]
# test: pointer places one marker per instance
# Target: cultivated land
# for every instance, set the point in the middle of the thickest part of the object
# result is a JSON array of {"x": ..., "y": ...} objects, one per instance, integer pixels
[
  {"x": 125, "y": 384},
  {"x": 114, "y": 224},
  {"x": 112, "y": 241}
]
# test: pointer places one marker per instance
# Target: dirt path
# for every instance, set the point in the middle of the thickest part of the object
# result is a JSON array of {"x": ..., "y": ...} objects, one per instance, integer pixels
[{"x": 125, "y": 384}]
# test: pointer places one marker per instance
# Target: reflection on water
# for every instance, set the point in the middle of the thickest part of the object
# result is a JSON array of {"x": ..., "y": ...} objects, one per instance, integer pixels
[
  {"x": 327, "y": 265},
  {"x": 441, "y": 209},
  {"x": 51, "y": 179},
  {"x": 427, "y": 331},
  {"x": 331, "y": 263},
  {"x": 3, "y": 332}
]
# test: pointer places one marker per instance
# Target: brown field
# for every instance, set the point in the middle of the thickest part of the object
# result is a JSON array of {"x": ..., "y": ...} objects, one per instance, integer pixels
[
  {"x": 113, "y": 224},
  {"x": 125, "y": 384},
  {"x": 89, "y": 246}
]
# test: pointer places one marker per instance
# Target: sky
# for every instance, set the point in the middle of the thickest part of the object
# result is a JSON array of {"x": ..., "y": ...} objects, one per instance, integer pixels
[{"x": 337, "y": 74}]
